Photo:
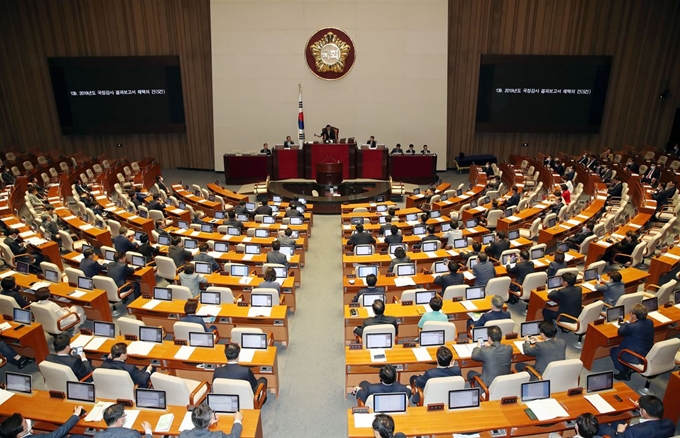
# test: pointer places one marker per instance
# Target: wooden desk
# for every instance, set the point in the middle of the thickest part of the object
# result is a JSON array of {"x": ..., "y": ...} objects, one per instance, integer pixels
[
  {"x": 662, "y": 264},
  {"x": 27, "y": 341},
  {"x": 264, "y": 363},
  {"x": 197, "y": 202},
  {"x": 228, "y": 195},
  {"x": 671, "y": 401},
  {"x": 601, "y": 338},
  {"x": 167, "y": 313},
  {"x": 454, "y": 203},
  {"x": 405, "y": 227},
  {"x": 234, "y": 283},
  {"x": 131, "y": 220},
  {"x": 265, "y": 242},
  {"x": 345, "y": 218},
  {"x": 50, "y": 413},
  {"x": 49, "y": 249},
  {"x": 370, "y": 206},
  {"x": 416, "y": 200}
]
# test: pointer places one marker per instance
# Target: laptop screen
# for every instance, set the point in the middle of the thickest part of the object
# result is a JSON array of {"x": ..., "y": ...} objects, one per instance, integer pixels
[
  {"x": 508, "y": 212},
  {"x": 277, "y": 198},
  {"x": 17, "y": 382},
  {"x": 411, "y": 217},
  {"x": 183, "y": 225},
  {"x": 268, "y": 219},
  {"x": 233, "y": 231},
  {"x": 22, "y": 267},
  {"x": 390, "y": 403},
  {"x": 221, "y": 247},
  {"x": 378, "y": 340},
  {"x": 138, "y": 235},
  {"x": 242, "y": 217},
  {"x": 51, "y": 276},
  {"x": 600, "y": 381},
  {"x": 554, "y": 282},
  {"x": 206, "y": 228},
  {"x": 506, "y": 259},
  {"x": 434, "y": 214},
  {"x": 381, "y": 208},
  {"x": 446, "y": 226},
  {"x": 104, "y": 329},
  {"x": 652, "y": 304},
  {"x": 151, "y": 334},
  {"x": 513, "y": 234},
  {"x": 219, "y": 215},
  {"x": 239, "y": 270},
  {"x": 393, "y": 247},
  {"x": 109, "y": 255},
  {"x": 441, "y": 267},
  {"x": 419, "y": 230},
  {"x": 363, "y": 250},
  {"x": 163, "y": 240},
  {"x": 424, "y": 296},
  {"x": 190, "y": 244},
  {"x": 257, "y": 341},
  {"x": 537, "y": 253},
  {"x": 464, "y": 398},
  {"x": 470, "y": 223},
  {"x": 564, "y": 247},
  {"x": 252, "y": 249},
  {"x": 203, "y": 267},
  {"x": 280, "y": 271},
  {"x": 85, "y": 248},
  {"x": 223, "y": 403},
  {"x": 530, "y": 328},
  {"x": 200, "y": 339},
  {"x": 287, "y": 250},
  {"x": 488, "y": 238},
  {"x": 260, "y": 300},
  {"x": 139, "y": 261},
  {"x": 474, "y": 293},
  {"x": 552, "y": 222},
  {"x": 472, "y": 262},
  {"x": 406, "y": 269},
  {"x": 296, "y": 221},
  {"x": 480, "y": 333},
  {"x": 85, "y": 283},
  {"x": 460, "y": 243},
  {"x": 535, "y": 390},
  {"x": 444, "y": 197},
  {"x": 80, "y": 391},
  {"x": 429, "y": 246},
  {"x": 22, "y": 316},
  {"x": 590, "y": 274},
  {"x": 365, "y": 271},
  {"x": 150, "y": 398},
  {"x": 615, "y": 313},
  {"x": 211, "y": 298},
  {"x": 416, "y": 191},
  {"x": 368, "y": 299},
  {"x": 261, "y": 233},
  {"x": 429, "y": 338},
  {"x": 162, "y": 293}
]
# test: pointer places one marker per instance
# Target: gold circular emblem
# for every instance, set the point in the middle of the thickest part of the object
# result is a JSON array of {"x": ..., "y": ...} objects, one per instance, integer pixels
[{"x": 330, "y": 53}]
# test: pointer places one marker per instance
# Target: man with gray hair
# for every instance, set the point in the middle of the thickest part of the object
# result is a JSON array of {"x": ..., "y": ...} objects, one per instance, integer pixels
[
  {"x": 114, "y": 417},
  {"x": 495, "y": 313},
  {"x": 203, "y": 417}
]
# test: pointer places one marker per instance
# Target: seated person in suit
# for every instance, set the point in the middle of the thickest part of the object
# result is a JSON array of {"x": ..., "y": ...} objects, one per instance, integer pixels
[
  {"x": 558, "y": 167},
  {"x": 559, "y": 203},
  {"x": 370, "y": 288},
  {"x": 495, "y": 357},
  {"x": 638, "y": 336},
  {"x": 521, "y": 269},
  {"x": 119, "y": 271},
  {"x": 115, "y": 417},
  {"x": 264, "y": 209},
  {"x": 89, "y": 265},
  {"x": 123, "y": 241},
  {"x": 430, "y": 236},
  {"x": 203, "y": 256},
  {"x": 500, "y": 244},
  {"x": 285, "y": 238},
  {"x": 483, "y": 270},
  {"x": 395, "y": 236},
  {"x": 13, "y": 357},
  {"x": 146, "y": 249},
  {"x": 177, "y": 253},
  {"x": 397, "y": 150},
  {"x": 371, "y": 142},
  {"x": 50, "y": 226},
  {"x": 453, "y": 278},
  {"x": 577, "y": 239},
  {"x": 651, "y": 175},
  {"x": 388, "y": 383},
  {"x": 488, "y": 169},
  {"x": 632, "y": 166},
  {"x": 387, "y": 225},
  {"x": 161, "y": 184},
  {"x": 293, "y": 212},
  {"x": 436, "y": 314},
  {"x": 379, "y": 318},
  {"x": 116, "y": 361},
  {"x": 232, "y": 370},
  {"x": 265, "y": 149},
  {"x": 232, "y": 221},
  {"x": 191, "y": 279},
  {"x": 9, "y": 289},
  {"x": 42, "y": 296},
  {"x": 241, "y": 208},
  {"x": 569, "y": 298},
  {"x": 613, "y": 289},
  {"x": 494, "y": 207},
  {"x": 328, "y": 134},
  {"x": 203, "y": 417},
  {"x": 495, "y": 313},
  {"x": 652, "y": 424},
  {"x": 16, "y": 426},
  {"x": 493, "y": 183},
  {"x": 159, "y": 226},
  {"x": 383, "y": 427},
  {"x": 399, "y": 257},
  {"x": 269, "y": 278},
  {"x": 156, "y": 203},
  {"x": 546, "y": 349},
  {"x": 410, "y": 150},
  {"x": 66, "y": 356},
  {"x": 557, "y": 263},
  {"x": 625, "y": 246},
  {"x": 20, "y": 249},
  {"x": 476, "y": 250},
  {"x": 514, "y": 198},
  {"x": 275, "y": 255},
  {"x": 444, "y": 369},
  {"x": 361, "y": 238},
  {"x": 425, "y": 150},
  {"x": 190, "y": 308},
  {"x": 288, "y": 143}
]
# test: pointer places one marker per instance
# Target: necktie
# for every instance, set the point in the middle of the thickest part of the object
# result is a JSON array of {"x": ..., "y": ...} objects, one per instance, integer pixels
[{"x": 649, "y": 175}]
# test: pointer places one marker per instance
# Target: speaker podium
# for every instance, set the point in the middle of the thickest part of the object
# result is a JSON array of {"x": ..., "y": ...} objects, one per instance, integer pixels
[{"x": 329, "y": 173}]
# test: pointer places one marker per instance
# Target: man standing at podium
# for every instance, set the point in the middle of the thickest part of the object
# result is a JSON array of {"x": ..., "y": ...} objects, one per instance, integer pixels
[
  {"x": 288, "y": 143},
  {"x": 328, "y": 134}
]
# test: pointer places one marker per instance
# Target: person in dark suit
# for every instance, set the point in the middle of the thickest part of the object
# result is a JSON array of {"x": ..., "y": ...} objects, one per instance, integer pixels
[
  {"x": 232, "y": 370},
  {"x": 388, "y": 383},
  {"x": 13, "y": 357},
  {"x": 483, "y": 270},
  {"x": 156, "y": 203},
  {"x": 361, "y": 238},
  {"x": 116, "y": 361},
  {"x": 264, "y": 209},
  {"x": 569, "y": 174},
  {"x": 119, "y": 271},
  {"x": 89, "y": 265},
  {"x": 16, "y": 426},
  {"x": 114, "y": 417},
  {"x": 652, "y": 424},
  {"x": 232, "y": 221},
  {"x": 19, "y": 249},
  {"x": 241, "y": 208},
  {"x": 592, "y": 163},
  {"x": 514, "y": 198},
  {"x": 399, "y": 257},
  {"x": 476, "y": 250},
  {"x": 557, "y": 263},
  {"x": 558, "y": 167},
  {"x": 285, "y": 238},
  {"x": 638, "y": 336},
  {"x": 379, "y": 318},
  {"x": 328, "y": 134},
  {"x": 577, "y": 239},
  {"x": 569, "y": 298},
  {"x": 394, "y": 236},
  {"x": 615, "y": 188},
  {"x": 632, "y": 166},
  {"x": 546, "y": 349},
  {"x": 613, "y": 289},
  {"x": 626, "y": 246},
  {"x": 425, "y": 150},
  {"x": 371, "y": 142},
  {"x": 146, "y": 249},
  {"x": 495, "y": 313},
  {"x": 443, "y": 369},
  {"x": 584, "y": 159},
  {"x": 177, "y": 253},
  {"x": 123, "y": 241},
  {"x": 51, "y": 227},
  {"x": 383, "y": 427},
  {"x": 662, "y": 196},
  {"x": 496, "y": 358},
  {"x": 288, "y": 143},
  {"x": 64, "y": 356},
  {"x": 548, "y": 160},
  {"x": 203, "y": 256},
  {"x": 203, "y": 418},
  {"x": 370, "y": 288},
  {"x": 410, "y": 150},
  {"x": 397, "y": 150},
  {"x": 190, "y": 307},
  {"x": 453, "y": 278},
  {"x": 497, "y": 247},
  {"x": 651, "y": 175},
  {"x": 161, "y": 184},
  {"x": 293, "y": 212},
  {"x": 430, "y": 236},
  {"x": 521, "y": 269},
  {"x": 7, "y": 176},
  {"x": 265, "y": 149},
  {"x": 9, "y": 289},
  {"x": 275, "y": 255}
]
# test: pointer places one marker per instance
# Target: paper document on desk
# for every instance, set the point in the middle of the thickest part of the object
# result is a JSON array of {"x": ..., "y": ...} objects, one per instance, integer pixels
[
  {"x": 7, "y": 273},
  {"x": 663, "y": 319},
  {"x": 469, "y": 305},
  {"x": 480, "y": 208},
  {"x": 247, "y": 257},
  {"x": 38, "y": 284},
  {"x": 421, "y": 354},
  {"x": 378, "y": 355},
  {"x": 215, "y": 254},
  {"x": 97, "y": 412},
  {"x": 195, "y": 233},
  {"x": 363, "y": 421},
  {"x": 463, "y": 196},
  {"x": 546, "y": 409},
  {"x": 466, "y": 435},
  {"x": 280, "y": 281},
  {"x": 538, "y": 263},
  {"x": 19, "y": 225},
  {"x": 431, "y": 254},
  {"x": 513, "y": 218},
  {"x": 36, "y": 241},
  {"x": 246, "y": 355},
  {"x": 259, "y": 311},
  {"x": 520, "y": 346},
  {"x": 468, "y": 275},
  {"x": 475, "y": 316},
  {"x": 573, "y": 222},
  {"x": 599, "y": 403},
  {"x": 245, "y": 280},
  {"x": 77, "y": 294},
  {"x": 5, "y": 395},
  {"x": 78, "y": 258},
  {"x": 404, "y": 281},
  {"x": 5, "y": 326},
  {"x": 568, "y": 258},
  {"x": 25, "y": 234},
  {"x": 412, "y": 223},
  {"x": 151, "y": 304},
  {"x": 208, "y": 310},
  {"x": 184, "y": 352},
  {"x": 177, "y": 211},
  {"x": 140, "y": 348},
  {"x": 130, "y": 417},
  {"x": 452, "y": 253},
  {"x": 164, "y": 423},
  {"x": 464, "y": 351},
  {"x": 568, "y": 227},
  {"x": 346, "y": 227},
  {"x": 514, "y": 243},
  {"x": 673, "y": 256},
  {"x": 589, "y": 286},
  {"x": 81, "y": 341},
  {"x": 95, "y": 343}
]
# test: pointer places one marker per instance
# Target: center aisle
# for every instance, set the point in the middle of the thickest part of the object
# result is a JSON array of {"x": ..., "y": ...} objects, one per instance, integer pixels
[{"x": 312, "y": 402}]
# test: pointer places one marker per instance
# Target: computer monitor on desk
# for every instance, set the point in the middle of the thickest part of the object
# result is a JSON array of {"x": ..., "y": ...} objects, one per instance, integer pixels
[
  {"x": 535, "y": 390},
  {"x": 366, "y": 270},
  {"x": 590, "y": 274},
  {"x": 150, "y": 399},
  {"x": 600, "y": 381},
  {"x": 255, "y": 341},
  {"x": 554, "y": 282},
  {"x": 22, "y": 316},
  {"x": 615, "y": 313},
  {"x": 190, "y": 244},
  {"x": 203, "y": 268},
  {"x": 652, "y": 304},
  {"x": 17, "y": 382},
  {"x": 530, "y": 328},
  {"x": 221, "y": 247},
  {"x": 223, "y": 403},
  {"x": 474, "y": 293},
  {"x": 260, "y": 300},
  {"x": 406, "y": 269},
  {"x": 104, "y": 329},
  {"x": 537, "y": 253},
  {"x": 460, "y": 243},
  {"x": 464, "y": 398},
  {"x": 162, "y": 293},
  {"x": 211, "y": 298},
  {"x": 480, "y": 333},
  {"x": 238, "y": 270},
  {"x": 206, "y": 228},
  {"x": 390, "y": 403},
  {"x": 52, "y": 276},
  {"x": 80, "y": 391},
  {"x": 151, "y": 334},
  {"x": 513, "y": 234},
  {"x": 367, "y": 299},
  {"x": 201, "y": 339},
  {"x": 163, "y": 240},
  {"x": 424, "y": 296},
  {"x": 22, "y": 268},
  {"x": 378, "y": 340},
  {"x": 431, "y": 338},
  {"x": 429, "y": 246}
]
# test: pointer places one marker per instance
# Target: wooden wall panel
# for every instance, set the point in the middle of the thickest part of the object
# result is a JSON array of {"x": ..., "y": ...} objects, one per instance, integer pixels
[
  {"x": 643, "y": 37},
  {"x": 33, "y": 30}
]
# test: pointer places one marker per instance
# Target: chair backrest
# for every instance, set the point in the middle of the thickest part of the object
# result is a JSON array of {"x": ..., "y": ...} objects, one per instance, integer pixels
[
  {"x": 107, "y": 284},
  {"x": 410, "y": 294},
  {"x": 72, "y": 275},
  {"x": 51, "y": 266},
  {"x": 182, "y": 329},
  {"x": 113, "y": 384},
  {"x": 236, "y": 332},
  {"x": 509, "y": 252},
  {"x": 226, "y": 295},
  {"x": 599, "y": 266},
  {"x": 665, "y": 292},
  {"x": 563, "y": 374},
  {"x": 56, "y": 375},
  {"x": 629, "y": 300},
  {"x": 450, "y": 331},
  {"x": 457, "y": 291},
  {"x": 507, "y": 385},
  {"x": 177, "y": 391},
  {"x": 166, "y": 267},
  {"x": 7, "y": 305},
  {"x": 180, "y": 292},
  {"x": 588, "y": 314},
  {"x": 129, "y": 326},
  {"x": 565, "y": 270},
  {"x": 378, "y": 328},
  {"x": 533, "y": 230},
  {"x": 533, "y": 281},
  {"x": 661, "y": 358},
  {"x": 437, "y": 390},
  {"x": 638, "y": 252},
  {"x": 241, "y": 388},
  {"x": 506, "y": 325},
  {"x": 46, "y": 317},
  {"x": 499, "y": 286},
  {"x": 268, "y": 291}
]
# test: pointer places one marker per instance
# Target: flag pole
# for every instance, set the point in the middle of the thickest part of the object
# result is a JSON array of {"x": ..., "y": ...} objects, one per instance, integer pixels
[{"x": 301, "y": 119}]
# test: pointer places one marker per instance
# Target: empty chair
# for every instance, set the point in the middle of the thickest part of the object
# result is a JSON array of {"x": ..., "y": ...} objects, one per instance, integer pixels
[
  {"x": 663, "y": 293},
  {"x": 179, "y": 391},
  {"x": 181, "y": 330},
  {"x": 502, "y": 386},
  {"x": 598, "y": 265},
  {"x": 579, "y": 325},
  {"x": 166, "y": 268},
  {"x": 72, "y": 275},
  {"x": 180, "y": 292},
  {"x": 236, "y": 332},
  {"x": 450, "y": 331},
  {"x": 68, "y": 243},
  {"x": 532, "y": 231},
  {"x": 499, "y": 286},
  {"x": 455, "y": 292},
  {"x": 437, "y": 390},
  {"x": 531, "y": 281},
  {"x": 226, "y": 295},
  {"x": 247, "y": 398},
  {"x": 114, "y": 293},
  {"x": 563, "y": 374},
  {"x": 52, "y": 267},
  {"x": 506, "y": 325},
  {"x": 273, "y": 293},
  {"x": 7, "y": 305},
  {"x": 659, "y": 360},
  {"x": 629, "y": 300},
  {"x": 113, "y": 384},
  {"x": 129, "y": 326},
  {"x": 56, "y": 375}
]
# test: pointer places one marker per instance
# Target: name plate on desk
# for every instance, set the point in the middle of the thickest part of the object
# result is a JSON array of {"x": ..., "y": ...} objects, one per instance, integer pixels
[{"x": 355, "y": 346}]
